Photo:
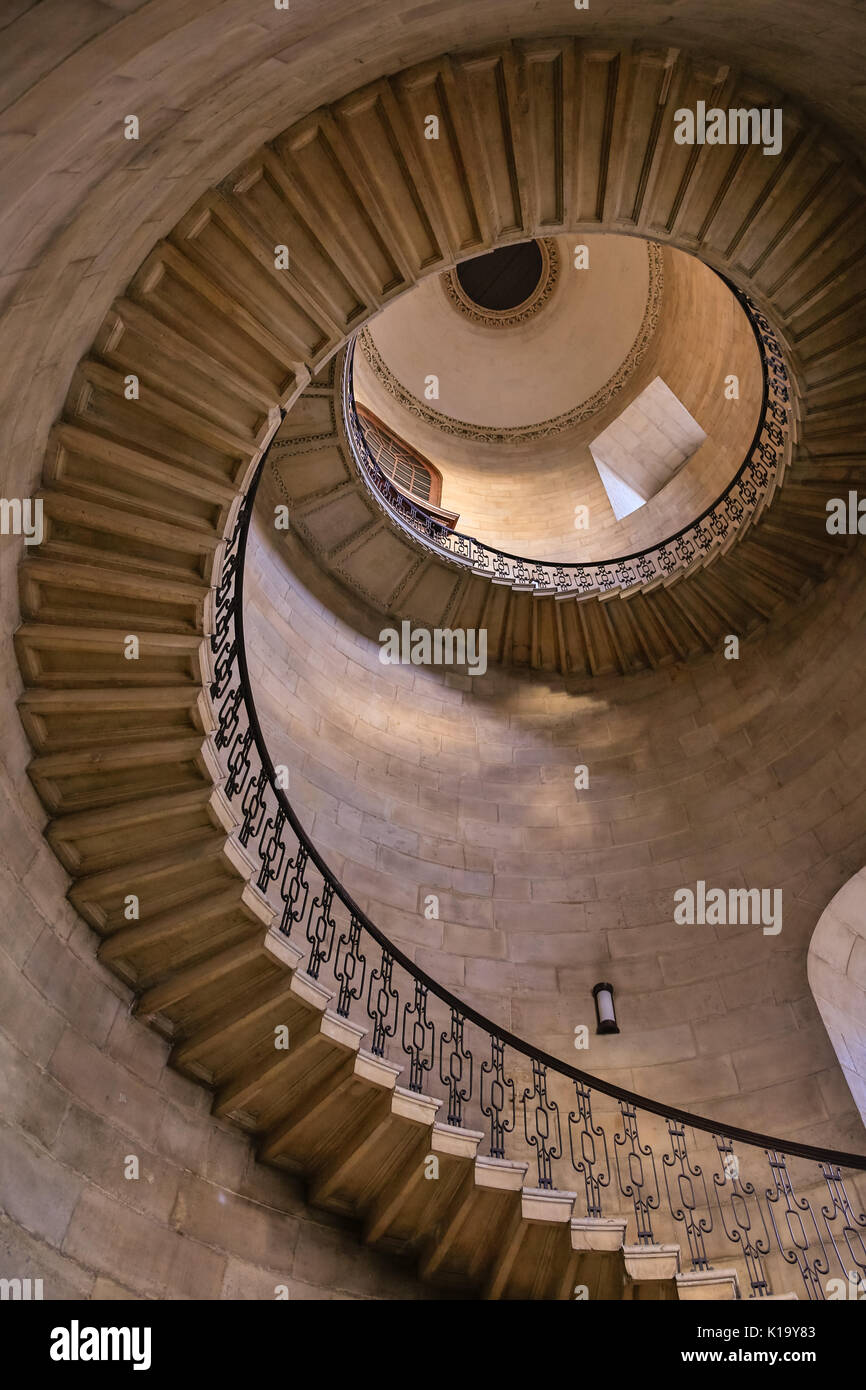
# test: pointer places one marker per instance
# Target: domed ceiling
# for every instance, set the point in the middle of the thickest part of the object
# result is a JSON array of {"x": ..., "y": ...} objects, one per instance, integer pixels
[
  {"x": 527, "y": 412},
  {"x": 583, "y": 331}
]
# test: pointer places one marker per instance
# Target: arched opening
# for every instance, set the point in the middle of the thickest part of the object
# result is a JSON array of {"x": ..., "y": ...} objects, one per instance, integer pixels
[
  {"x": 837, "y": 977},
  {"x": 504, "y": 279},
  {"x": 408, "y": 470}
]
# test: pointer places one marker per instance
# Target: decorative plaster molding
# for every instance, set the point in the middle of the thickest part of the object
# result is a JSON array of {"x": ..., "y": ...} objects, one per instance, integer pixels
[
  {"x": 329, "y": 435},
  {"x": 330, "y": 559},
  {"x": 558, "y": 424}
]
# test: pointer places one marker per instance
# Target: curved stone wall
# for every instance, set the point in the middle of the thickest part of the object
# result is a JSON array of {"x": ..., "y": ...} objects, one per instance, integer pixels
[{"x": 742, "y": 773}]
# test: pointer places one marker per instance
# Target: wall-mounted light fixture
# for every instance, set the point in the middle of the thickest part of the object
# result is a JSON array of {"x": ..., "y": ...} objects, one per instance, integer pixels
[{"x": 605, "y": 1012}]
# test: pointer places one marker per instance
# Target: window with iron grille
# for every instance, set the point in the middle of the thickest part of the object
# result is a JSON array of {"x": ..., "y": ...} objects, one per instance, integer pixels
[{"x": 409, "y": 472}]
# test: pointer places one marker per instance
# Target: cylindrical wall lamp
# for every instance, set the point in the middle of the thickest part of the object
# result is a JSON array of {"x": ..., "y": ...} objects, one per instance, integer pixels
[{"x": 605, "y": 1012}]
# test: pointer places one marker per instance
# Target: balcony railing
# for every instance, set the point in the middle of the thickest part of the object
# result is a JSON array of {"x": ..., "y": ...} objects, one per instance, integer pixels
[
  {"x": 728, "y": 1193},
  {"x": 742, "y": 501}
]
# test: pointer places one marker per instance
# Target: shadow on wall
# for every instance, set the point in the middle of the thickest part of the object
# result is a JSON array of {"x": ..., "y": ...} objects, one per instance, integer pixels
[{"x": 837, "y": 975}]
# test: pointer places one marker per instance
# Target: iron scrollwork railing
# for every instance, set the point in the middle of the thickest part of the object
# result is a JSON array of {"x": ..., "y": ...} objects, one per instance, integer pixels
[
  {"x": 742, "y": 500},
  {"x": 618, "y": 1143}
]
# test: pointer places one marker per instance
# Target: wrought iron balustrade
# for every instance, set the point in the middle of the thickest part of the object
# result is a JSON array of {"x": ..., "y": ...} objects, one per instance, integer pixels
[
  {"x": 725, "y": 1192},
  {"x": 741, "y": 502}
]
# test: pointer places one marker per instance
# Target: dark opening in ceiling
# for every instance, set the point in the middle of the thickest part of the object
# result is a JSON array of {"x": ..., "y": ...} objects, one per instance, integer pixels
[{"x": 502, "y": 279}]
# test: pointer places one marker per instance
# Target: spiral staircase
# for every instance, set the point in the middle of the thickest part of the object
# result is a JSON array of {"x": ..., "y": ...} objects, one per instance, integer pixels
[{"x": 135, "y": 758}]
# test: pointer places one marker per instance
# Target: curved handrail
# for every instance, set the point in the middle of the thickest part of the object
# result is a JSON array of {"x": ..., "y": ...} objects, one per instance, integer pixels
[
  {"x": 308, "y": 896},
  {"x": 761, "y": 471}
]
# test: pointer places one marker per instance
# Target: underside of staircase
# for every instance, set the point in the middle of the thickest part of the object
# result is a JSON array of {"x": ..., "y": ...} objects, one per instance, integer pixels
[{"x": 162, "y": 429}]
